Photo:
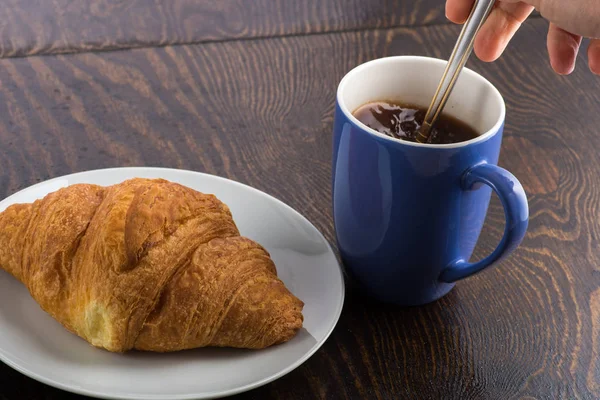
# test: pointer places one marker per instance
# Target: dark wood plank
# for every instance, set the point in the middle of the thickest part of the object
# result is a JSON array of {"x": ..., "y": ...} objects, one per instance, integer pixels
[
  {"x": 261, "y": 112},
  {"x": 61, "y": 26}
]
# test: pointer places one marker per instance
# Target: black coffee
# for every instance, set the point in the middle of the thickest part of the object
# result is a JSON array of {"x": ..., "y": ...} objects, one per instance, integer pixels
[{"x": 402, "y": 121}]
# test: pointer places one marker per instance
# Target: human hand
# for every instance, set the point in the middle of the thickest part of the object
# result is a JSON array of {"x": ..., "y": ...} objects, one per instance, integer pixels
[{"x": 570, "y": 20}]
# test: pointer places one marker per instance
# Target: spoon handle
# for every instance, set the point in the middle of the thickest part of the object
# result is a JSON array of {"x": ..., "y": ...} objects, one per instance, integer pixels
[{"x": 458, "y": 58}]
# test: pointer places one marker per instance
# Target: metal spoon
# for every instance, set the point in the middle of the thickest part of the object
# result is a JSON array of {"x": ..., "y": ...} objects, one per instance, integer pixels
[{"x": 458, "y": 58}]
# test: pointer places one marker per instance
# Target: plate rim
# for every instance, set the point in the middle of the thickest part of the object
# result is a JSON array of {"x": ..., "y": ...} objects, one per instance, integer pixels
[{"x": 190, "y": 396}]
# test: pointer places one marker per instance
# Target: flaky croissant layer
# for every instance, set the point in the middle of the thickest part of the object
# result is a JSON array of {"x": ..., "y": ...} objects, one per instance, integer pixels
[{"x": 147, "y": 264}]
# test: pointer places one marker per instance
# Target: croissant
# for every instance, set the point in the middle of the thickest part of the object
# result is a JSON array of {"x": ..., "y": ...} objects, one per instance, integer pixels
[{"x": 147, "y": 264}]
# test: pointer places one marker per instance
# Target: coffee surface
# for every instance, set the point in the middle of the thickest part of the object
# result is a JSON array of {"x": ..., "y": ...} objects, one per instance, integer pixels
[{"x": 403, "y": 121}]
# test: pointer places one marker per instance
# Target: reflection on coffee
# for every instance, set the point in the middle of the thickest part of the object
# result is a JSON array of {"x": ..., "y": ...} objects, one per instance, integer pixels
[{"x": 402, "y": 121}]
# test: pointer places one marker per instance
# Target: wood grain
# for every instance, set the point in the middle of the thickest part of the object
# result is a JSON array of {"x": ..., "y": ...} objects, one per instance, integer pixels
[
  {"x": 261, "y": 112},
  {"x": 63, "y": 26}
]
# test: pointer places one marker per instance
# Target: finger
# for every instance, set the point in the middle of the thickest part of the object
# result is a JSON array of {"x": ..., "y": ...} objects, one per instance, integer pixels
[
  {"x": 458, "y": 11},
  {"x": 504, "y": 20},
  {"x": 562, "y": 49},
  {"x": 594, "y": 56}
]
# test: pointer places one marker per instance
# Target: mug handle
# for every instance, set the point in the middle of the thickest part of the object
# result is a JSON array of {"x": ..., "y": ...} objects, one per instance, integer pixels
[{"x": 516, "y": 211}]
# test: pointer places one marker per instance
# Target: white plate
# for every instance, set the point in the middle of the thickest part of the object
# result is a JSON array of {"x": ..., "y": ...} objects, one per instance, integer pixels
[{"x": 39, "y": 347}]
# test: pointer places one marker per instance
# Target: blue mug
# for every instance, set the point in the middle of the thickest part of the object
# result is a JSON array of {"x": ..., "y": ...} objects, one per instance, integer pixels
[{"x": 408, "y": 215}]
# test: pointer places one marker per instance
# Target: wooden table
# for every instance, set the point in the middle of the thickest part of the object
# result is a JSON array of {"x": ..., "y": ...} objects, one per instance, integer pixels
[{"x": 246, "y": 90}]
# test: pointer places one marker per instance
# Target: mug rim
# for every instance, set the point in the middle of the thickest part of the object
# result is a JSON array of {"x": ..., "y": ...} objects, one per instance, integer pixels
[{"x": 483, "y": 137}]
